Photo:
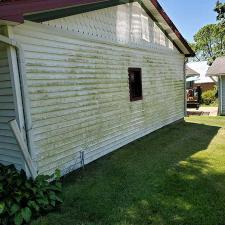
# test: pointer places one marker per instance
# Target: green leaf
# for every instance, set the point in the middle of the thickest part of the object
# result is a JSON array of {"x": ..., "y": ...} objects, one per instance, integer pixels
[
  {"x": 2, "y": 207},
  {"x": 26, "y": 213},
  {"x": 2, "y": 177},
  {"x": 33, "y": 204},
  {"x": 57, "y": 174},
  {"x": 58, "y": 199},
  {"x": 18, "y": 220},
  {"x": 53, "y": 203},
  {"x": 52, "y": 195},
  {"x": 42, "y": 201},
  {"x": 55, "y": 188},
  {"x": 14, "y": 209}
]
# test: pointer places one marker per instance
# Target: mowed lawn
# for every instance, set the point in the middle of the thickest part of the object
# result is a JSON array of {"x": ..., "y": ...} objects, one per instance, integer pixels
[{"x": 175, "y": 175}]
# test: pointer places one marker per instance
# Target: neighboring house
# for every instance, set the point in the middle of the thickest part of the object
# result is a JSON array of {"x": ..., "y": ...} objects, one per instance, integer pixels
[
  {"x": 85, "y": 78},
  {"x": 206, "y": 83},
  {"x": 218, "y": 70},
  {"x": 191, "y": 77}
]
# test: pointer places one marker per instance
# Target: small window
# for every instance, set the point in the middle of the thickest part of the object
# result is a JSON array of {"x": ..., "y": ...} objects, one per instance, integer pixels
[{"x": 135, "y": 84}]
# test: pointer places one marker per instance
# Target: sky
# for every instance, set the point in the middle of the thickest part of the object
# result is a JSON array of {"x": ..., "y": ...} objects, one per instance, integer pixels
[{"x": 190, "y": 15}]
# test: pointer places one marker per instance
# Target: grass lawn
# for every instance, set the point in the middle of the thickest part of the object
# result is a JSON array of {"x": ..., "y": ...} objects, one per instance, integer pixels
[
  {"x": 175, "y": 175},
  {"x": 214, "y": 104}
]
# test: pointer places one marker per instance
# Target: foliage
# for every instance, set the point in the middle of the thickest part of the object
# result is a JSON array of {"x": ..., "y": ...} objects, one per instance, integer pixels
[
  {"x": 209, "y": 42},
  {"x": 209, "y": 97},
  {"x": 22, "y": 199},
  {"x": 220, "y": 9}
]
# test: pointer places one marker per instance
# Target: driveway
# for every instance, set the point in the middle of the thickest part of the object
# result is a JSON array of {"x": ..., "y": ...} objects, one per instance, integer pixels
[{"x": 203, "y": 111}]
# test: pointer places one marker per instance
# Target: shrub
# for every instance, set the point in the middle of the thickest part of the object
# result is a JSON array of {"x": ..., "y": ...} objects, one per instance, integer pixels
[
  {"x": 208, "y": 97},
  {"x": 22, "y": 199}
]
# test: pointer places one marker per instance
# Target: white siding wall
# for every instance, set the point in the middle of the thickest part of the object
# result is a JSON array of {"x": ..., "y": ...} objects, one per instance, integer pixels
[
  {"x": 79, "y": 94},
  {"x": 223, "y": 95},
  {"x": 9, "y": 150},
  {"x": 124, "y": 24}
]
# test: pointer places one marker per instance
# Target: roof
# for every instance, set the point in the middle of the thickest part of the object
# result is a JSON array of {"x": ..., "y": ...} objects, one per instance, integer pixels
[
  {"x": 190, "y": 72},
  {"x": 16, "y": 11},
  {"x": 217, "y": 68},
  {"x": 194, "y": 78},
  {"x": 201, "y": 68}
]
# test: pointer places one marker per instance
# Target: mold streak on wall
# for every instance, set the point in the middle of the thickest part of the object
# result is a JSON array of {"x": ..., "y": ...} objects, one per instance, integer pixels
[
  {"x": 223, "y": 94},
  {"x": 79, "y": 93}
]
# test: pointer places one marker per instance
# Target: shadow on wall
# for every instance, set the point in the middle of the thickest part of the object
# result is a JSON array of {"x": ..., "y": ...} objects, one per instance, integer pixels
[{"x": 157, "y": 179}]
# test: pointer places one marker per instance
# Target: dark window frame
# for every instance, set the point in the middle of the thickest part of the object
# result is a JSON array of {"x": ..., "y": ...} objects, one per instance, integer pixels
[{"x": 137, "y": 72}]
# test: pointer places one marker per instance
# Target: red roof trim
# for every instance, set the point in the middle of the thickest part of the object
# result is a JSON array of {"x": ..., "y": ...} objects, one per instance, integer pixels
[
  {"x": 15, "y": 10},
  {"x": 172, "y": 26}
]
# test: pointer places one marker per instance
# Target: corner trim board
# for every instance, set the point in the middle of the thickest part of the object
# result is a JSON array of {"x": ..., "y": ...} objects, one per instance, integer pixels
[{"x": 19, "y": 137}]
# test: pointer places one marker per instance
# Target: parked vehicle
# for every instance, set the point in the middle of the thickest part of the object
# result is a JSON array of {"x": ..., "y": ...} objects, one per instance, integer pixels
[{"x": 193, "y": 97}]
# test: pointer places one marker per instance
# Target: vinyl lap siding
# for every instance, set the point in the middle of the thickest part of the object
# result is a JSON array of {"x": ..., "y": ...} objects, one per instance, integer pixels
[
  {"x": 223, "y": 95},
  {"x": 9, "y": 150},
  {"x": 125, "y": 24},
  {"x": 79, "y": 96}
]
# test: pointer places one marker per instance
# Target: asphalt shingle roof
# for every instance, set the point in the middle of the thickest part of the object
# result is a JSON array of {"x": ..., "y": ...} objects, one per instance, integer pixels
[
  {"x": 217, "y": 68},
  {"x": 190, "y": 72}
]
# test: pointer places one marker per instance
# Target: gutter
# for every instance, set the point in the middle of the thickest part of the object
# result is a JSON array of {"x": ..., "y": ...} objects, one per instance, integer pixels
[{"x": 25, "y": 106}]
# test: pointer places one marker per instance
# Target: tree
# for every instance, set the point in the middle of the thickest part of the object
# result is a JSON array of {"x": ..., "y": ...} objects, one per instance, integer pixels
[
  {"x": 209, "y": 41},
  {"x": 220, "y": 9}
]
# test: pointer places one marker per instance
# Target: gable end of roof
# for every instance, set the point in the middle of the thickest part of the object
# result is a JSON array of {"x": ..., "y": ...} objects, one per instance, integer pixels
[{"x": 12, "y": 12}]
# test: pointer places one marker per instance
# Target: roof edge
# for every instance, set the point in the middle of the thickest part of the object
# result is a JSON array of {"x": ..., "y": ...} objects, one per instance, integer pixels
[
  {"x": 16, "y": 11},
  {"x": 173, "y": 27}
]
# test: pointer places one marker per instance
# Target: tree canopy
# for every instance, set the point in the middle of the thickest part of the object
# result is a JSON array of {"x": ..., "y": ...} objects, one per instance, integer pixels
[
  {"x": 220, "y": 9},
  {"x": 209, "y": 41}
]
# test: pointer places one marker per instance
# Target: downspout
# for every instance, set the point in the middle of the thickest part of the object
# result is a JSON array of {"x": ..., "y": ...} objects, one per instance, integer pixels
[{"x": 27, "y": 119}]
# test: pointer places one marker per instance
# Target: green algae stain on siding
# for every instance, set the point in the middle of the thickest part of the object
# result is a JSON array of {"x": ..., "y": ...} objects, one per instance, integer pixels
[{"x": 80, "y": 95}]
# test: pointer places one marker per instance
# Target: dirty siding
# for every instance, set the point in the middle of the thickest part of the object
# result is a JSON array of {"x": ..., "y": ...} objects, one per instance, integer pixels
[
  {"x": 78, "y": 89},
  {"x": 223, "y": 94},
  {"x": 9, "y": 150}
]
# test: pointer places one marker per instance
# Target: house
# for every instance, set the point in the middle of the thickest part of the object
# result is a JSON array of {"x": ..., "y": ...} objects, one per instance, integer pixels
[
  {"x": 206, "y": 83},
  {"x": 218, "y": 70},
  {"x": 83, "y": 78},
  {"x": 191, "y": 77}
]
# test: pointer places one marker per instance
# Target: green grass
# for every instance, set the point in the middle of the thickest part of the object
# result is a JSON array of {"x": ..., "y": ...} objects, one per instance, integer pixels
[
  {"x": 213, "y": 104},
  {"x": 175, "y": 176}
]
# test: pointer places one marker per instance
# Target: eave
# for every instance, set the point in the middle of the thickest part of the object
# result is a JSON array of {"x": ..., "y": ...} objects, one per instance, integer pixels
[{"x": 38, "y": 10}]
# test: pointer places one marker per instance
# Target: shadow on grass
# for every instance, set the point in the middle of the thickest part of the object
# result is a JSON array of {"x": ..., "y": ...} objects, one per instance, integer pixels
[{"x": 154, "y": 180}]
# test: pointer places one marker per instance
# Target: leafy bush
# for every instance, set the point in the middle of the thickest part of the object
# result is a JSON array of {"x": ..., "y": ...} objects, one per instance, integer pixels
[
  {"x": 22, "y": 199},
  {"x": 208, "y": 97}
]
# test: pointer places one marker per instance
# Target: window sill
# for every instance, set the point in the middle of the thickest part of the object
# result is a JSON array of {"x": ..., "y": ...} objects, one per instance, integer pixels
[{"x": 136, "y": 99}]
